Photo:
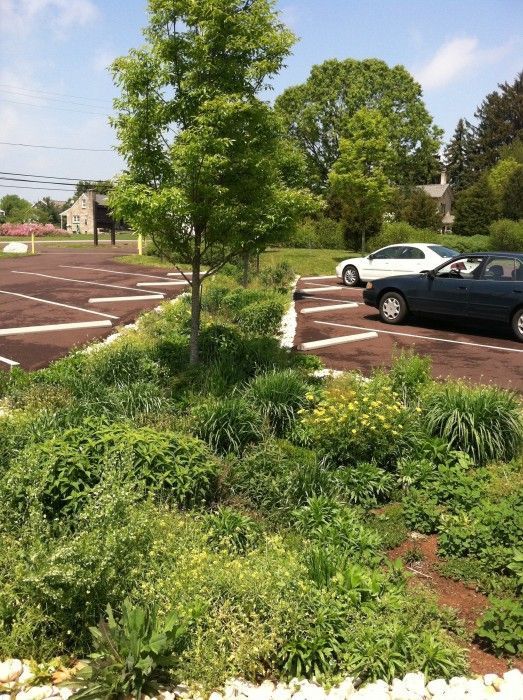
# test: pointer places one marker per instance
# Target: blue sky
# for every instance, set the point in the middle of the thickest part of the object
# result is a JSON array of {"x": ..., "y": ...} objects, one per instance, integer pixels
[{"x": 54, "y": 53}]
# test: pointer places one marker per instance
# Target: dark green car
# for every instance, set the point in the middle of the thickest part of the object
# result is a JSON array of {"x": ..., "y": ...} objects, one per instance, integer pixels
[{"x": 481, "y": 286}]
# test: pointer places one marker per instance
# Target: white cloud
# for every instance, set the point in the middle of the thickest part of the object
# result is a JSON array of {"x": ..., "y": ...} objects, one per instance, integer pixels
[
  {"x": 20, "y": 15},
  {"x": 455, "y": 59}
]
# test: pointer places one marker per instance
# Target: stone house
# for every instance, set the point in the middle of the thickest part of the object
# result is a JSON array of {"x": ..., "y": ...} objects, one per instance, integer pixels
[
  {"x": 90, "y": 211},
  {"x": 443, "y": 199}
]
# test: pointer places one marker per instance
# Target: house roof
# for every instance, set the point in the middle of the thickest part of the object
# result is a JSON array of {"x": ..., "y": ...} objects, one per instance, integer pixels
[
  {"x": 435, "y": 191},
  {"x": 101, "y": 199}
]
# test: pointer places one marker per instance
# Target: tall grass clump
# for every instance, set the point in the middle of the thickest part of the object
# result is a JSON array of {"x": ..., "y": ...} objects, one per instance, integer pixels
[
  {"x": 485, "y": 422},
  {"x": 227, "y": 424},
  {"x": 278, "y": 395}
]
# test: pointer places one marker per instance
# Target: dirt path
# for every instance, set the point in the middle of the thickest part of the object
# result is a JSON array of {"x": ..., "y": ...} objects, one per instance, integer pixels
[{"x": 468, "y": 603}]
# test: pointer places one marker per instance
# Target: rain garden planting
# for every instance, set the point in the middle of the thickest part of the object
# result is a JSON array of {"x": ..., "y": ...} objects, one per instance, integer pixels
[{"x": 172, "y": 524}]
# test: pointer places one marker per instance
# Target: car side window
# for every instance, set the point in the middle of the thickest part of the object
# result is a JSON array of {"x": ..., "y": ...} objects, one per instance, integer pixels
[
  {"x": 500, "y": 270},
  {"x": 387, "y": 253},
  {"x": 409, "y": 253},
  {"x": 462, "y": 268}
]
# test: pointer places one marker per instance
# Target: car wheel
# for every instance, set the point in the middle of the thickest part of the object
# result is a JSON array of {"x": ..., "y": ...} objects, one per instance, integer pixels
[
  {"x": 351, "y": 276},
  {"x": 393, "y": 307},
  {"x": 517, "y": 324}
]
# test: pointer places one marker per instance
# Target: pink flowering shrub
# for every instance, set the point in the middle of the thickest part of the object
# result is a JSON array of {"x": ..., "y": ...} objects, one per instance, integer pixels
[{"x": 25, "y": 230}]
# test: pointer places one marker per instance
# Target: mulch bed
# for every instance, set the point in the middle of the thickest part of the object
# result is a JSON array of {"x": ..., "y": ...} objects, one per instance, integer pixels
[{"x": 466, "y": 601}]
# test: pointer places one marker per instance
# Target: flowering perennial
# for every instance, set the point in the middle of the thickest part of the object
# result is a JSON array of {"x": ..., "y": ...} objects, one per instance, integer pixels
[{"x": 26, "y": 230}]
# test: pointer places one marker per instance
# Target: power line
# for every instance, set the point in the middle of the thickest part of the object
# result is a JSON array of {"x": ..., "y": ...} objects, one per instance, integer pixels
[
  {"x": 53, "y": 177},
  {"x": 56, "y": 148},
  {"x": 60, "y": 109},
  {"x": 42, "y": 182},
  {"x": 58, "y": 94},
  {"x": 47, "y": 189}
]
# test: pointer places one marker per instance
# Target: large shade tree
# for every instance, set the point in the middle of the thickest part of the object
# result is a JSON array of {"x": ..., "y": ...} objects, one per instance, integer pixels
[
  {"x": 317, "y": 115},
  {"x": 203, "y": 151}
]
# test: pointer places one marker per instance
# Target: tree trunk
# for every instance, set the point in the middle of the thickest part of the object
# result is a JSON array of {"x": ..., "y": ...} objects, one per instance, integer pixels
[
  {"x": 195, "y": 303},
  {"x": 245, "y": 280}
]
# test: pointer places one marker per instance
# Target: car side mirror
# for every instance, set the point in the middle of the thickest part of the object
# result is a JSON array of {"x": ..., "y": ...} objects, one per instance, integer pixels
[
  {"x": 428, "y": 273},
  {"x": 370, "y": 256}
]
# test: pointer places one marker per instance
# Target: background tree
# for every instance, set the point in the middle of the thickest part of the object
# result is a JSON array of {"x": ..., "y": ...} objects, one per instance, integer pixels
[
  {"x": 475, "y": 209},
  {"x": 317, "y": 113},
  {"x": 420, "y": 211},
  {"x": 358, "y": 178},
  {"x": 500, "y": 122},
  {"x": 99, "y": 186},
  {"x": 46, "y": 211},
  {"x": 512, "y": 201},
  {"x": 458, "y": 156},
  {"x": 17, "y": 210},
  {"x": 202, "y": 150}
]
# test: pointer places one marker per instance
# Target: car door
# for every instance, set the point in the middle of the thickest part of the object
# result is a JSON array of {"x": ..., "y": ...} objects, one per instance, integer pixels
[
  {"x": 378, "y": 264},
  {"x": 446, "y": 291},
  {"x": 495, "y": 294}
]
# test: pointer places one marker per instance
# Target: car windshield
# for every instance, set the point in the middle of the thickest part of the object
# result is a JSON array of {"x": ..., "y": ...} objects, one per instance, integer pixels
[
  {"x": 443, "y": 252},
  {"x": 465, "y": 267}
]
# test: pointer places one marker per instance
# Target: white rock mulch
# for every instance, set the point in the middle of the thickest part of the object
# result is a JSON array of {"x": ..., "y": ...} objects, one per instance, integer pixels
[
  {"x": 289, "y": 321},
  {"x": 16, "y": 678}
]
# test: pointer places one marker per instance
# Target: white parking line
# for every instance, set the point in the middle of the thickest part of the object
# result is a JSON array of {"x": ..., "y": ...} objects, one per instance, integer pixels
[
  {"x": 54, "y": 327},
  {"x": 9, "y": 362},
  {"x": 161, "y": 284},
  {"x": 178, "y": 274},
  {"x": 329, "y": 307},
  {"x": 422, "y": 337},
  {"x": 322, "y": 288},
  {"x": 313, "y": 344},
  {"x": 328, "y": 286},
  {"x": 57, "y": 303},
  {"x": 358, "y": 303},
  {"x": 112, "y": 272},
  {"x": 68, "y": 279},
  {"x": 320, "y": 277},
  {"x": 136, "y": 297}
]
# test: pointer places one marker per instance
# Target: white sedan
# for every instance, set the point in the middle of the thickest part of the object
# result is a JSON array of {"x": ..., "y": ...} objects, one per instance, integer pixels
[{"x": 393, "y": 260}]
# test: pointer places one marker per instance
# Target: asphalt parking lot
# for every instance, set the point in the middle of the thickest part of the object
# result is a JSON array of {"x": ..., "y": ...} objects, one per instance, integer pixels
[
  {"x": 60, "y": 299},
  {"x": 458, "y": 349}
]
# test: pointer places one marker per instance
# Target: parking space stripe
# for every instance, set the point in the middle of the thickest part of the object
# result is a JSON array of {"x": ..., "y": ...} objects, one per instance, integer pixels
[
  {"x": 112, "y": 272},
  {"x": 53, "y": 327},
  {"x": 9, "y": 362},
  {"x": 313, "y": 344},
  {"x": 136, "y": 297},
  {"x": 161, "y": 284},
  {"x": 421, "y": 337},
  {"x": 323, "y": 288},
  {"x": 320, "y": 277},
  {"x": 68, "y": 279},
  {"x": 57, "y": 303},
  {"x": 310, "y": 296},
  {"x": 329, "y": 307}
]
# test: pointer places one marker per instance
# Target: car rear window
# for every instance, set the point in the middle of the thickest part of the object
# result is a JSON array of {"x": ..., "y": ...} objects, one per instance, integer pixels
[{"x": 443, "y": 252}]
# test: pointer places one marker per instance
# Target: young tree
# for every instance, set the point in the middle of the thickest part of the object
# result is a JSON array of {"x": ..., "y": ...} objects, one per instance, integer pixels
[
  {"x": 512, "y": 202},
  {"x": 202, "y": 150},
  {"x": 316, "y": 114},
  {"x": 358, "y": 180},
  {"x": 420, "y": 211}
]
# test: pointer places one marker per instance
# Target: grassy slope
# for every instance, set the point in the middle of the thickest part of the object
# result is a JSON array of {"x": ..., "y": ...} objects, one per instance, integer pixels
[{"x": 304, "y": 261}]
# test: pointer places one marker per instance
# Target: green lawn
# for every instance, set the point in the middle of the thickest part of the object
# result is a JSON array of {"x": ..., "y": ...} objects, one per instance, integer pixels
[{"x": 304, "y": 261}]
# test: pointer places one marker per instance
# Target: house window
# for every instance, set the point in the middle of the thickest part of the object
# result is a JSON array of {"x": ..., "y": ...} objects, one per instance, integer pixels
[
  {"x": 76, "y": 218},
  {"x": 85, "y": 221},
  {"x": 84, "y": 202}
]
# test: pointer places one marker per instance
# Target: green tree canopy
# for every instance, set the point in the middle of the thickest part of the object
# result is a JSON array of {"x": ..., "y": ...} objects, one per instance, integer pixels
[
  {"x": 358, "y": 178},
  {"x": 100, "y": 186},
  {"x": 512, "y": 200},
  {"x": 46, "y": 211},
  {"x": 17, "y": 210},
  {"x": 476, "y": 208},
  {"x": 317, "y": 115},
  {"x": 415, "y": 207},
  {"x": 203, "y": 152},
  {"x": 458, "y": 155}
]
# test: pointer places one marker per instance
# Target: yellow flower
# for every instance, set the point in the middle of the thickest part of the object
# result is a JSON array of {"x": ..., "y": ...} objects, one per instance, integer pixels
[{"x": 353, "y": 431}]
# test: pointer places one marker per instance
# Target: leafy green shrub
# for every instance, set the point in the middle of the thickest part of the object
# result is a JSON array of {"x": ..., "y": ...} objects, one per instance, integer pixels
[
  {"x": 350, "y": 425},
  {"x": 484, "y": 421},
  {"x": 422, "y": 512},
  {"x": 390, "y": 525},
  {"x": 278, "y": 396},
  {"x": 230, "y": 528},
  {"x": 402, "y": 232},
  {"x": 132, "y": 657},
  {"x": 364, "y": 484},
  {"x": 228, "y": 424},
  {"x": 409, "y": 374},
  {"x": 322, "y": 232},
  {"x": 507, "y": 235},
  {"x": 278, "y": 277},
  {"x": 62, "y": 471},
  {"x": 276, "y": 477},
  {"x": 262, "y": 317},
  {"x": 500, "y": 629}
]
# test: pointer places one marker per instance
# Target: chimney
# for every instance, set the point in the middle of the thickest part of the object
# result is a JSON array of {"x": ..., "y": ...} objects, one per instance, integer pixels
[{"x": 443, "y": 177}]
